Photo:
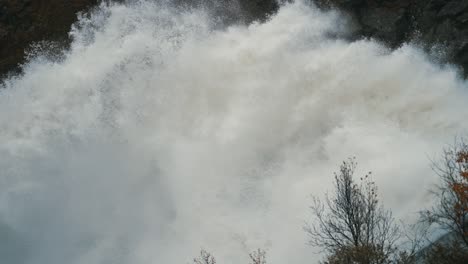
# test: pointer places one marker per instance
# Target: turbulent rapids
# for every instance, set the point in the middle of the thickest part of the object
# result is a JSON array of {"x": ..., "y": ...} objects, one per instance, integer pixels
[{"x": 159, "y": 133}]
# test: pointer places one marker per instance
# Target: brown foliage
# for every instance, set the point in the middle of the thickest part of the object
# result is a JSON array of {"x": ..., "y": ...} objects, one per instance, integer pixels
[
  {"x": 356, "y": 254},
  {"x": 451, "y": 211},
  {"x": 453, "y": 253},
  {"x": 460, "y": 189}
]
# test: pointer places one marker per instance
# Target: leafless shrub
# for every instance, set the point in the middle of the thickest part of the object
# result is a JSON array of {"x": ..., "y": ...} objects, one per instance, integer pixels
[
  {"x": 451, "y": 210},
  {"x": 258, "y": 257},
  {"x": 204, "y": 258},
  {"x": 350, "y": 224}
]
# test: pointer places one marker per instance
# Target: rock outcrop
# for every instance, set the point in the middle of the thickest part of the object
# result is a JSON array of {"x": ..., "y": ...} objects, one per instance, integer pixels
[
  {"x": 23, "y": 22},
  {"x": 429, "y": 22},
  {"x": 442, "y": 23}
]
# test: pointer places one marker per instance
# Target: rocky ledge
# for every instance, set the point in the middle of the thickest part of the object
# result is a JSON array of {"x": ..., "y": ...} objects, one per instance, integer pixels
[
  {"x": 24, "y": 22},
  {"x": 430, "y": 23},
  {"x": 442, "y": 23}
]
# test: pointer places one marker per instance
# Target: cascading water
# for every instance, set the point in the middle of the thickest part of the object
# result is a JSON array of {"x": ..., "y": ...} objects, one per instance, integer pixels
[{"x": 158, "y": 134}]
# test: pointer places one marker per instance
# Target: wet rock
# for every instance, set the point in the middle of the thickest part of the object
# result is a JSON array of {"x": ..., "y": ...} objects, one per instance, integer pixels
[
  {"x": 428, "y": 22},
  {"x": 383, "y": 23},
  {"x": 23, "y": 22},
  {"x": 453, "y": 8}
]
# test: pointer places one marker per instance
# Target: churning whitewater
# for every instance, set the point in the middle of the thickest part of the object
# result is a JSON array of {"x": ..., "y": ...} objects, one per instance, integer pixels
[{"x": 159, "y": 133}]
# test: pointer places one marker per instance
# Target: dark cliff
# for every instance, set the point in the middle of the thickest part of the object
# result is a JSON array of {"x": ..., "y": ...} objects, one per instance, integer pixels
[
  {"x": 23, "y": 22},
  {"x": 429, "y": 22}
]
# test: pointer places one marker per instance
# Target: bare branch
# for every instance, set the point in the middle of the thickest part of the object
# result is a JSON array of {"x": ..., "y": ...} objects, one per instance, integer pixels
[
  {"x": 204, "y": 258},
  {"x": 258, "y": 257},
  {"x": 451, "y": 211},
  {"x": 351, "y": 223}
]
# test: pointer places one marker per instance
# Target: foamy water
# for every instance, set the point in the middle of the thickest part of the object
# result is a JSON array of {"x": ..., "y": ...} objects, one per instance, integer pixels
[{"x": 159, "y": 134}]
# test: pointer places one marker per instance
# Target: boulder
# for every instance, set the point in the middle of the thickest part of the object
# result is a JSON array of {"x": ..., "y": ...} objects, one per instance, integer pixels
[{"x": 430, "y": 23}]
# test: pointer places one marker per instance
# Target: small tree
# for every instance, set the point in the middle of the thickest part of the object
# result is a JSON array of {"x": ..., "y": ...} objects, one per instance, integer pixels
[
  {"x": 353, "y": 254},
  {"x": 351, "y": 225},
  {"x": 258, "y": 257},
  {"x": 451, "y": 210},
  {"x": 204, "y": 258}
]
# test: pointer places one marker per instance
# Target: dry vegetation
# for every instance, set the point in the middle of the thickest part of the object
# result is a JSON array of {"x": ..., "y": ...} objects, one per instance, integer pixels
[{"x": 351, "y": 226}]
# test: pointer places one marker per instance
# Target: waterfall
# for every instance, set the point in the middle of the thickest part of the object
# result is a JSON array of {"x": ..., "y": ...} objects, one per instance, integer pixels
[{"x": 159, "y": 132}]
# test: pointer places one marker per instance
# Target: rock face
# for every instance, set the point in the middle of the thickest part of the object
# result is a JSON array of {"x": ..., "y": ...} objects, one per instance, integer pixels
[
  {"x": 429, "y": 22},
  {"x": 23, "y": 22}
]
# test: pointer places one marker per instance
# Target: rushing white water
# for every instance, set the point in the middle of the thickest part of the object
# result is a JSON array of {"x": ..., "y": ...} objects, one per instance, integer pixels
[{"x": 159, "y": 133}]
